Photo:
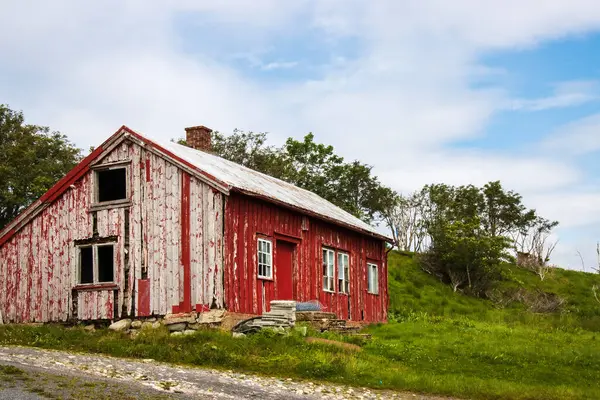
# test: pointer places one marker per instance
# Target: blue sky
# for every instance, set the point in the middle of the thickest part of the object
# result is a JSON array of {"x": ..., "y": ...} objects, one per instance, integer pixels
[{"x": 459, "y": 92}]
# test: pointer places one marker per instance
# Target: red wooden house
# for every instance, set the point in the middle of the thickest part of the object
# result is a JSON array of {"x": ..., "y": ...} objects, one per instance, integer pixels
[{"x": 140, "y": 228}]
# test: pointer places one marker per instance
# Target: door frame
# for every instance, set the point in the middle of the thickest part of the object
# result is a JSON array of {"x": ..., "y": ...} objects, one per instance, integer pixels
[{"x": 294, "y": 243}]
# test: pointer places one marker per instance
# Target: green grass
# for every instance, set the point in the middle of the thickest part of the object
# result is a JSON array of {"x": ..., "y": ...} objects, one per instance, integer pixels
[
  {"x": 458, "y": 357},
  {"x": 414, "y": 291},
  {"x": 437, "y": 342}
]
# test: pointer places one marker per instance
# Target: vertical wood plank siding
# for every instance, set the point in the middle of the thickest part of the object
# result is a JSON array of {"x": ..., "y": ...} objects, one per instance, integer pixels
[
  {"x": 247, "y": 219},
  {"x": 180, "y": 245},
  {"x": 38, "y": 265}
]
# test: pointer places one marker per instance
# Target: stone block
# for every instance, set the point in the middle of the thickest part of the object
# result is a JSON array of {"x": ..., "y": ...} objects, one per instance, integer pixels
[
  {"x": 136, "y": 324},
  {"x": 171, "y": 319},
  {"x": 177, "y": 327},
  {"x": 121, "y": 325},
  {"x": 211, "y": 317}
]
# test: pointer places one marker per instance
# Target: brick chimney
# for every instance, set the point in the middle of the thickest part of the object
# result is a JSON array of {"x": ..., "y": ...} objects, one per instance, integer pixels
[{"x": 199, "y": 138}]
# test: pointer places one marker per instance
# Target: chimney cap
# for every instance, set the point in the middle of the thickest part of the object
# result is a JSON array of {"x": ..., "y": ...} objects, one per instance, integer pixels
[{"x": 198, "y": 128}]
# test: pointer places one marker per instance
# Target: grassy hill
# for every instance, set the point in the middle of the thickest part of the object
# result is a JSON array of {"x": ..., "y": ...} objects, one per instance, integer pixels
[{"x": 413, "y": 291}]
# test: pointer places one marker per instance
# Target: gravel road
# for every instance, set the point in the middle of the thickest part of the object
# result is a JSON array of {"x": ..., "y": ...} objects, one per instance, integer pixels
[{"x": 26, "y": 373}]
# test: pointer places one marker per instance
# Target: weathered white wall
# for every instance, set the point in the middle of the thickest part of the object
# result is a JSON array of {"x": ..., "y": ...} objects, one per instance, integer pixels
[{"x": 38, "y": 264}]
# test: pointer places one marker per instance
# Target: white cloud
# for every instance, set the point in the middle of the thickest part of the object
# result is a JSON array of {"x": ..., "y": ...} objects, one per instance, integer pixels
[
  {"x": 576, "y": 138},
  {"x": 279, "y": 65},
  {"x": 87, "y": 69},
  {"x": 566, "y": 94}
]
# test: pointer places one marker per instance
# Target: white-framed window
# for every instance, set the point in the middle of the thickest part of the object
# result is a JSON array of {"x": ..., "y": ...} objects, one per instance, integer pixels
[
  {"x": 373, "y": 278},
  {"x": 111, "y": 184},
  {"x": 96, "y": 264},
  {"x": 265, "y": 259},
  {"x": 328, "y": 270},
  {"x": 343, "y": 264}
]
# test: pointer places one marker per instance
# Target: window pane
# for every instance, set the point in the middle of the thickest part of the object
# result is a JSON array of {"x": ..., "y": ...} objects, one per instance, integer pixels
[
  {"x": 376, "y": 280},
  {"x": 105, "y": 263},
  {"x": 112, "y": 184},
  {"x": 86, "y": 262},
  {"x": 341, "y": 266}
]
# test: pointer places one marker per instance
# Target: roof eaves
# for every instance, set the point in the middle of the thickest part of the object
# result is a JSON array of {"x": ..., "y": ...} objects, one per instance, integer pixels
[{"x": 334, "y": 221}]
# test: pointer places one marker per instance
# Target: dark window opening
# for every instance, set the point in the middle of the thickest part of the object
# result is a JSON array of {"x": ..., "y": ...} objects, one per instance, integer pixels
[
  {"x": 112, "y": 184},
  {"x": 105, "y": 263},
  {"x": 86, "y": 262},
  {"x": 96, "y": 264}
]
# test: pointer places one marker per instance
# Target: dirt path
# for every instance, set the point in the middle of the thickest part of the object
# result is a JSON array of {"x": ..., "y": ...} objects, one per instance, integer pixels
[{"x": 151, "y": 379}]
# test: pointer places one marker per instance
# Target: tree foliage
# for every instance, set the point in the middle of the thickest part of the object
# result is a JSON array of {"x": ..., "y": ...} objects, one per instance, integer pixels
[
  {"x": 32, "y": 159},
  {"x": 471, "y": 231}
]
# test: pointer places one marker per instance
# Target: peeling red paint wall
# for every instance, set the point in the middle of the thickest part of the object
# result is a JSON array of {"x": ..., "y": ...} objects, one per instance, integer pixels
[
  {"x": 247, "y": 219},
  {"x": 38, "y": 264}
]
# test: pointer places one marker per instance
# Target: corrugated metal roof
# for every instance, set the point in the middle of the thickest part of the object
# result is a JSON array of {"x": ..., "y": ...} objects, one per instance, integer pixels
[{"x": 254, "y": 182}]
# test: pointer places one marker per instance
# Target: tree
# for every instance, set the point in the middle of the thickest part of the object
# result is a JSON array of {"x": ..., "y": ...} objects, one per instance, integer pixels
[
  {"x": 405, "y": 218},
  {"x": 503, "y": 211},
  {"x": 472, "y": 229},
  {"x": 534, "y": 248},
  {"x": 462, "y": 252},
  {"x": 32, "y": 159}
]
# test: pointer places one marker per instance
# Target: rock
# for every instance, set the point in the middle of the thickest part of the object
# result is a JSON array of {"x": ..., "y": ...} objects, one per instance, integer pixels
[
  {"x": 238, "y": 335},
  {"x": 151, "y": 319},
  {"x": 90, "y": 328},
  {"x": 188, "y": 332},
  {"x": 211, "y": 317},
  {"x": 133, "y": 333},
  {"x": 121, "y": 325},
  {"x": 136, "y": 324},
  {"x": 155, "y": 325},
  {"x": 171, "y": 319},
  {"x": 178, "y": 327},
  {"x": 195, "y": 326},
  {"x": 147, "y": 325},
  {"x": 177, "y": 334}
]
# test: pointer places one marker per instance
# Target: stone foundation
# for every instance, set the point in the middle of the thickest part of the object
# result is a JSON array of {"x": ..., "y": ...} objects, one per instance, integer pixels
[{"x": 184, "y": 323}]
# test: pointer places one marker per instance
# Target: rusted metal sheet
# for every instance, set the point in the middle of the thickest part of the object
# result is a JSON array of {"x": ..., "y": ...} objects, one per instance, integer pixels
[
  {"x": 256, "y": 184},
  {"x": 247, "y": 219}
]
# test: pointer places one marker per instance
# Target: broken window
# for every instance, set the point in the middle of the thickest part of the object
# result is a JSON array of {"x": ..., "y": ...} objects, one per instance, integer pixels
[
  {"x": 106, "y": 263},
  {"x": 111, "y": 184},
  {"x": 373, "y": 278},
  {"x": 86, "y": 265},
  {"x": 265, "y": 259},
  {"x": 328, "y": 270},
  {"x": 97, "y": 264}
]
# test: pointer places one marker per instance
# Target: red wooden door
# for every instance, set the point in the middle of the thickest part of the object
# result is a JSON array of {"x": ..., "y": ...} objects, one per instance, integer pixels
[{"x": 284, "y": 261}]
